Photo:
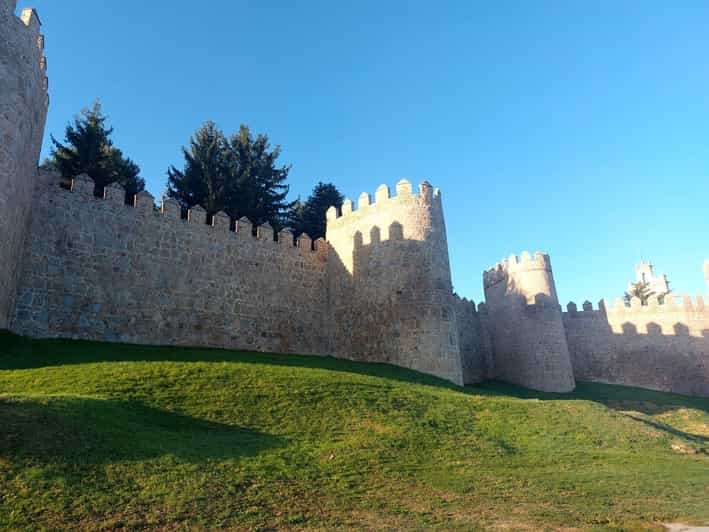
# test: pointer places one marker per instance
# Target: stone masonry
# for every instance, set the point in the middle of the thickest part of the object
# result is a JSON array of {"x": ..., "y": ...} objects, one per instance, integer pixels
[
  {"x": 23, "y": 109},
  {"x": 377, "y": 289}
]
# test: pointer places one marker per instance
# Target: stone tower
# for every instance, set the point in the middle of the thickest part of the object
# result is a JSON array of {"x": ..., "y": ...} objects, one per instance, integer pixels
[
  {"x": 23, "y": 110},
  {"x": 526, "y": 323},
  {"x": 389, "y": 282}
]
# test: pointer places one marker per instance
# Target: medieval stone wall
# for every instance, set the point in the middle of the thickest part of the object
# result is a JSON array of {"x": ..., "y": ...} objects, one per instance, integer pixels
[
  {"x": 101, "y": 270},
  {"x": 389, "y": 282},
  {"x": 526, "y": 324},
  {"x": 474, "y": 340},
  {"x": 23, "y": 110},
  {"x": 657, "y": 346}
]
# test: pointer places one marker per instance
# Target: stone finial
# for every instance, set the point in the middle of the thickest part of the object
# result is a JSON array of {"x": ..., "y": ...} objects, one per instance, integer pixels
[
  {"x": 304, "y": 242},
  {"x": 144, "y": 202},
  {"x": 365, "y": 200},
  {"x": 426, "y": 190},
  {"x": 571, "y": 307},
  {"x": 331, "y": 213},
  {"x": 171, "y": 208},
  {"x": 285, "y": 238},
  {"x": 244, "y": 227},
  {"x": 30, "y": 18},
  {"x": 115, "y": 193},
  {"x": 347, "y": 207},
  {"x": 587, "y": 306},
  {"x": 382, "y": 193},
  {"x": 404, "y": 188},
  {"x": 221, "y": 220},
  {"x": 264, "y": 232},
  {"x": 83, "y": 184},
  {"x": 197, "y": 215}
]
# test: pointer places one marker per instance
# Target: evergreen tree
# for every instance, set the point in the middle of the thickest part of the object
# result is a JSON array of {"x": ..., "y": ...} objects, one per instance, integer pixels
[
  {"x": 203, "y": 180},
  {"x": 309, "y": 216},
  {"x": 641, "y": 290},
  {"x": 257, "y": 187},
  {"x": 88, "y": 149},
  {"x": 237, "y": 175}
]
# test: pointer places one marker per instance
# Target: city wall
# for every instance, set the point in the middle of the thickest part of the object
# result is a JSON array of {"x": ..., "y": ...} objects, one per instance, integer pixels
[
  {"x": 657, "y": 346},
  {"x": 23, "y": 110},
  {"x": 102, "y": 270},
  {"x": 379, "y": 289}
]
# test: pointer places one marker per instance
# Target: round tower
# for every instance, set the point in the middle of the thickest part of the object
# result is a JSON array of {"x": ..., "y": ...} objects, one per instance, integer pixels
[
  {"x": 526, "y": 324},
  {"x": 389, "y": 278}
]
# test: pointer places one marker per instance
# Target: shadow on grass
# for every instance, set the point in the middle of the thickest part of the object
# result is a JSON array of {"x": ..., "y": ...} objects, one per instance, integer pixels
[
  {"x": 23, "y": 353},
  {"x": 69, "y": 430},
  {"x": 17, "y": 352}
]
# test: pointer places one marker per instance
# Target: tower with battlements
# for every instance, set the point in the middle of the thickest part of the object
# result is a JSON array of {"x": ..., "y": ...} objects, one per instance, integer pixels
[
  {"x": 23, "y": 85},
  {"x": 389, "y": 281},
  {"x": 526, "y": 324}
]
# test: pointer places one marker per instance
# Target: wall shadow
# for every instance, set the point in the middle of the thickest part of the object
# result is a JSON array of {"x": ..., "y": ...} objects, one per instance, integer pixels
[{"x": 70, "y": 430}]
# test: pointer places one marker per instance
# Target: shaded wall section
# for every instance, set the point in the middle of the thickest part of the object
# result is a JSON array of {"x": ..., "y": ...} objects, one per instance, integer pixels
[
  {"x": 526, "y": 325},
  {"x": 474, "y": 341},
  {"x": 23, "y": 110},
  {"x": 657, "y": 346}
]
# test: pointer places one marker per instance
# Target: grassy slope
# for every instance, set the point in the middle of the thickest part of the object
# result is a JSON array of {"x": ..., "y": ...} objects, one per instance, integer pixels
[{"x": 98, "y": 435}]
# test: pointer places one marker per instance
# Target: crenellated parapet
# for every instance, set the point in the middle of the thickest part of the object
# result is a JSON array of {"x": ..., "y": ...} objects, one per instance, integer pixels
[
  {"x": 513, "y": 265},
  {"x": 143, "y": 204}
]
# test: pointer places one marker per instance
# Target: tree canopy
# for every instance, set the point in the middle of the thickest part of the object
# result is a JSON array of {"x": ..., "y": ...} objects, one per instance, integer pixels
[
  {"x": 641, "y": 290},
  {"x": 309, "y": 216},
  {"x": 238, "y": 175},
  {"x": 87, "y": 148}
]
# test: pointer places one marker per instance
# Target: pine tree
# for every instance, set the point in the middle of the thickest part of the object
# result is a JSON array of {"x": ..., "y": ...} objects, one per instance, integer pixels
[
  {"x": 257, "y": 186},
  {"x": 237, "y": 175},
  {"x": 88, "y": 149},
  {"x": 203, "y": 180},
  {"x": 309, "y": 216}
]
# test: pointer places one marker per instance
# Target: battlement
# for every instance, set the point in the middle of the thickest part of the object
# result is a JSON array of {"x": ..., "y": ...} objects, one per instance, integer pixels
[
  {"x": 666, "y": 304},
  {"x": 382, "y": 200},
  {"x": 524, "y": 263},
  {"x": 144, "y": 205}
]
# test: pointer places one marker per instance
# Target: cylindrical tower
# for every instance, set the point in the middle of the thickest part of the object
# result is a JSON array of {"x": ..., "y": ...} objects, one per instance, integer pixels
[
  {"x": 526, "y": 324},
  {"x": 390, "y": 297},
  {"x": 23, "y": 100}
]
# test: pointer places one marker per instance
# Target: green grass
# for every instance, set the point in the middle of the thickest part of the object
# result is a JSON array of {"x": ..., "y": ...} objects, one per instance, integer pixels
[{"x": 108, "y": 436}]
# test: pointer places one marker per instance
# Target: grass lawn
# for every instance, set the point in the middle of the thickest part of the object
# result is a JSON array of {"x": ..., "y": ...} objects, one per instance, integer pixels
[{"x": 107, "y": 436}]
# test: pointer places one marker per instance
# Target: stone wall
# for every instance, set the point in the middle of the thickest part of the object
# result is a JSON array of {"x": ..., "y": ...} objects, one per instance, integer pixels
[
  {"x": 23, "y": 110},
  {"x": 474, "y": 340},
  {"x": 658, "y": 346},
  {"x": 101, "y": 270},
  {"x": 389, "y": 283},
  {"x": 526, "y": 324}
]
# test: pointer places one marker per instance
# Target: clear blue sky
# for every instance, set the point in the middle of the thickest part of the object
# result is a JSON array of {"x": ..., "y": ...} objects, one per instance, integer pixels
[{"x": 577, "y": 128}]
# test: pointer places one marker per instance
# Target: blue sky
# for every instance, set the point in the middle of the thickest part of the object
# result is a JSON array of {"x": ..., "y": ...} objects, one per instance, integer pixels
[{"x": 577, "y": 128}]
